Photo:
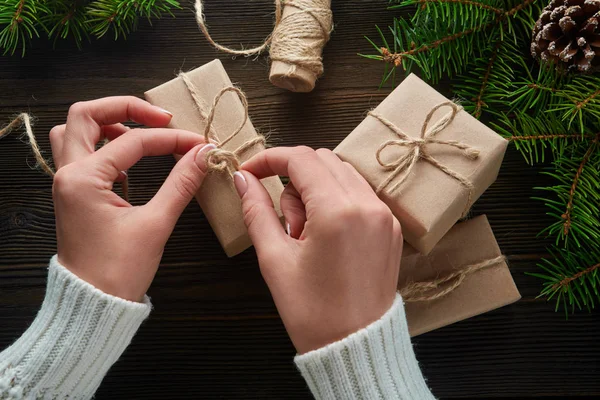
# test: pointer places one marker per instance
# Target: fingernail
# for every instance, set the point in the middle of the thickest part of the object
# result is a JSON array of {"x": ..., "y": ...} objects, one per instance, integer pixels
[
  {"x": 240, "y": 183},
  {"x": 288, "y": 228},
  {"x": 162, "y": 110},
  {"x": 201, "y": 156}
]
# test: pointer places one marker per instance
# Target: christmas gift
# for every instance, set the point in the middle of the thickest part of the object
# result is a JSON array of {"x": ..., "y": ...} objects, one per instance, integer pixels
[
  {"x": 205, "y": 101},
  {"x": 427, "y": 159},
  {"x": 465, "y": 275}
]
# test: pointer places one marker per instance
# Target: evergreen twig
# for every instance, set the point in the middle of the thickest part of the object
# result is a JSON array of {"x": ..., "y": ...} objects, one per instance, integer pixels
[{"x": 23, "y": 20}]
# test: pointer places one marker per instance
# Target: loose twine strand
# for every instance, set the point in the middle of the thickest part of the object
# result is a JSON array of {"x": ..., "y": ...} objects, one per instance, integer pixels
[
  {"x": 297, "y": 39},
  {"x": 24, "y": 119},
  {"x": 417, "y": 147},
  {"x": 219, "y": 159},
  {"x": 427, "y": 290}
]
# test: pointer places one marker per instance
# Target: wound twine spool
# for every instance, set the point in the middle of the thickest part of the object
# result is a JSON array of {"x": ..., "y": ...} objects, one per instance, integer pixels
[
  {"x": 429, "y": 290},
  {"x": 417, "y": 147},
  {"x": 219, "y": 159},
  {"x": 302, "y": 28}
]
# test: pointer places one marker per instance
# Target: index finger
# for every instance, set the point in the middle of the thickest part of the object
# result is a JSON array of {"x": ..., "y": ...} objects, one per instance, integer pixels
[
  {"x": 123, "y": 152},
  {"x": 302, "y": 165},
  {"x": 86, "y": 119}
]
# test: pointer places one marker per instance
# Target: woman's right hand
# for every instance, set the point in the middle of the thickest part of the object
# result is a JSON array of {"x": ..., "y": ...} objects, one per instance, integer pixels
[{"x": 337, "y": 270}]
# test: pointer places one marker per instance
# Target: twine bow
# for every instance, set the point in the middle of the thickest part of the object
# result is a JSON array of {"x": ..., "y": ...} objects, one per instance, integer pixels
[
  {"x": 219, "y": 159},
  {"x": 417, "y": 149},
  {"x": 426, "y": 290}
]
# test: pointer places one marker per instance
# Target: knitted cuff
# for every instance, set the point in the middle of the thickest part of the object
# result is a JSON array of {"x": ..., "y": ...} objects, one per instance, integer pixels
[
  {"x": 376, "y": 362},
  {"x": 78, "y": 334}
]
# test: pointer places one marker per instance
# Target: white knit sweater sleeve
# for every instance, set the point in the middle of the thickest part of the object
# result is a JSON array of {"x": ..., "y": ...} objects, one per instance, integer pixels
[
  {"x": 78, "y": 334},
  {"x": 377, "y": 362}
]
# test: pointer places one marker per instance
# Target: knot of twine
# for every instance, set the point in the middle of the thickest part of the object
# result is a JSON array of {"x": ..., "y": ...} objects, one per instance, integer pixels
[
  {"x": 24, "y": 119},
  {"x": 428, "y": 290},
  {"x": 297, "y": 39},
  {"x": 417, "y": 150},
  {"x": 219, "y": 159}
]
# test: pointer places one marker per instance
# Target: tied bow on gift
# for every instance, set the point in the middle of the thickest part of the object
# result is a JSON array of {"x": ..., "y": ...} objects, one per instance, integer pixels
[
  {"x": 417, "y": 149},
  {"x": 219, "y": 159}
]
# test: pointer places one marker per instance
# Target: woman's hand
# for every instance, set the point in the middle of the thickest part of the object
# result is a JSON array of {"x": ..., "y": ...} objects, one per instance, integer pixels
[
  {"x": 337, "y": 271},
  {"x": 101, "y": 237}
]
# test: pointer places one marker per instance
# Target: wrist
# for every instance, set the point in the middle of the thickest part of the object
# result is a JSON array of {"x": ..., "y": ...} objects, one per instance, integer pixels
[
  {"x": 114, "y": 274},
  {"x": 335, "y": 323},
  {"x": 377, "y": 361}
]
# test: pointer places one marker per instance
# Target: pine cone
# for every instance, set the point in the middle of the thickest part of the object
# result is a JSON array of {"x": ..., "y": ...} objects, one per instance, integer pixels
[{"x": 567, "y": 34}]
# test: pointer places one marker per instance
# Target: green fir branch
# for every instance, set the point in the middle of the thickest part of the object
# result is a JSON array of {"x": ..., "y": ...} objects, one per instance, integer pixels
[
  {"x": 122, "y": 16},
  {"x": 23, "y": 20},
  {"x": 580, "y": 101},
  {"x": 571, "y": 278},
  {"x": 19, "y": 23},
  {"x": 67, "y": 19},
  {"x": 575, "y": 199},
  {"x": 485, "y": 86}
]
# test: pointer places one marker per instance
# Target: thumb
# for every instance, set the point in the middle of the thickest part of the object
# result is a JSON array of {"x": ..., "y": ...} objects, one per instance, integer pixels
[
  {"x": 182, "y": 184},
  {"x": 261, "y": 219}
]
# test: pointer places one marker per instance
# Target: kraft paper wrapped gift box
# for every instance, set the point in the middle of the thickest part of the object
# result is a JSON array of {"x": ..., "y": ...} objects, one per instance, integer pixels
[
  {"x": 217, "y": 197},
  {"x": 430, "y": 201},
  {"x": 467, "y": 244}
]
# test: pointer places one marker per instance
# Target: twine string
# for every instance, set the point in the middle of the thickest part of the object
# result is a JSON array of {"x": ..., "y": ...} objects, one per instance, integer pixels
[
  {"x": 417, "y": 150},
  {"x": 220, "y": 159},
  {"x": 24, "y": 119},
  {"x": 297, "y": 39},
  {"x": 429, "y": 290}
]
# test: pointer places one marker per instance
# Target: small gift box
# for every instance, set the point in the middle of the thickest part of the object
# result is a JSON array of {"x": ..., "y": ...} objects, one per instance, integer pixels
[
  {"x": 427, "y": 159},
  {"x": 465, "y": 275},
  {"x": 195, "y": 97}
]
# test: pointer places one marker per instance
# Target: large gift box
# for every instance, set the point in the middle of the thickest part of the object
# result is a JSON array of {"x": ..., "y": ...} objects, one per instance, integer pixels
[
  {"x": 428, "y": 160},
  {"x": 217, "y": 197},
  {"x": 465, "y": 275}
]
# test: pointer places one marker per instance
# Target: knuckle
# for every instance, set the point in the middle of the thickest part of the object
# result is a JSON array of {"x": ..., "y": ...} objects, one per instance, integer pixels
[
  {"x": 78, "y": 108},
  {"x": 323, "y": 151},
  {"x": 66, "y": 182},
  {"x": 380, "y": 214},
  {"x": 303, "y": 150},
  {"x": 56, "y": 133}
]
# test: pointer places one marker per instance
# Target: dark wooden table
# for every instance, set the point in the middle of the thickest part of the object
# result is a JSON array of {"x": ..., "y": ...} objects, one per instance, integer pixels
[{"x": 215, "y": 332}]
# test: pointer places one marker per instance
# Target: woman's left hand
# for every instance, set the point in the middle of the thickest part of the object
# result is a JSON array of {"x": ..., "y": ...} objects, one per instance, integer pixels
[{"x": 101, "y": 237}]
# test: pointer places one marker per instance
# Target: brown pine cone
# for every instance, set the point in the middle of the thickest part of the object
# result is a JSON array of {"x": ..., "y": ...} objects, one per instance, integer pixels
[{"x": 568, "y": 35}]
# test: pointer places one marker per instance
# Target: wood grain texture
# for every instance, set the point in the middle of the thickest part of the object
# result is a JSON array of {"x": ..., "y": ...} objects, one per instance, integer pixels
[{"x": 215, "y": 332}]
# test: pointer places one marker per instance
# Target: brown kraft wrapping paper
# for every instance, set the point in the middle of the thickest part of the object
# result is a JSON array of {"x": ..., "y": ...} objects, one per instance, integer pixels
[
  {"x": 217, "y": 196},
  {"x": 467, "y": 243},
  {"x": 430, "y": 201}
]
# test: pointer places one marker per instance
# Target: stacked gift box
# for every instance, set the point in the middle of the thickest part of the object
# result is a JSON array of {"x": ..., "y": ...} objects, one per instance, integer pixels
[{"x": 426, "y": 158}]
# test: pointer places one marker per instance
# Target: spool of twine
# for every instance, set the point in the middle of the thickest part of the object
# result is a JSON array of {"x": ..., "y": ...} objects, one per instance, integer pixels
[{"x": 302, "y": 28}]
